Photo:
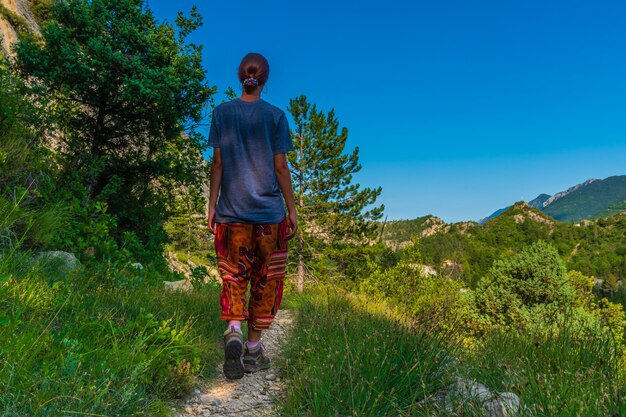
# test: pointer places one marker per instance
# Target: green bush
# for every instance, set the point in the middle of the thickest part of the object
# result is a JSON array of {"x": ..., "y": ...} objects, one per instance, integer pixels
[
  {"x": 533, "y": 290},
  {"x": 432, "y": 300},
  {"x": 348, "y": 264}
]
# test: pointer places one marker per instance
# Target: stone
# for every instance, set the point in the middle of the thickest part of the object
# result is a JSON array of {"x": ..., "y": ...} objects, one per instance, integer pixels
[
  {"x": 214, "y": 272},
  {"x": 505, "y": 404},
  {"x": 69, "y": 260},
  {"x": 468, "y": 389},
  {"x": 206, "y": 398},
  {"x": 510, "y": 400},
  {"x": 181, "y": 285},
  {"x": 216, "y": 402},
  {"x": 270, "y": 377}
]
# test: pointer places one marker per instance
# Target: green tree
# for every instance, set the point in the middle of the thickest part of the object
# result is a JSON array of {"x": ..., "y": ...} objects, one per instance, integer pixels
[
  {"x": 331, "y": 207},
  {"x": 121, "y": 87},
  {"x": 24, "y": 221},
  {"x": 517, "y": 289}
]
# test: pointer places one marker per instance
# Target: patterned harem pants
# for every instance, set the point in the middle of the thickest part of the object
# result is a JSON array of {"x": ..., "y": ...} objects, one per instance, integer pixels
[{"x": 255, "y": 253}]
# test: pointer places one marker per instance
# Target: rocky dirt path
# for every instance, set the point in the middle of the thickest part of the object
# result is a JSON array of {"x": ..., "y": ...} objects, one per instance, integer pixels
[{"x": 252, "y": 396}]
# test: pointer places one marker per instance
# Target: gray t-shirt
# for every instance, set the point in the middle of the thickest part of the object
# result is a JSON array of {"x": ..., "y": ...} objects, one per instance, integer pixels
[{"x": 248, "y": 134}]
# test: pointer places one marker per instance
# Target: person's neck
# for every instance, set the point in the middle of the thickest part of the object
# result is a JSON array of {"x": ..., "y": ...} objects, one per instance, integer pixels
[{"x": 254, "y": 96}]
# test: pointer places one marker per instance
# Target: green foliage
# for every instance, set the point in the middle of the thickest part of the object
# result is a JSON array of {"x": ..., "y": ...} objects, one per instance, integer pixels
[
  {"x": 187, "y": 228},
  {"x": 25, "y": 220},
  {"x": 595, "y": 248},
  {"x": 347, "y": 264},
  {"x": 119, "y": 88},
  {"x": 397, "y": 231},
  {"x": 619, "y": 207},
  {"x": 330, "y": 205},
  {"x": 41, "y": 9},
  {"x": 515, "y": 288},
  {"x": 170, "y": 359},
  {"x": 531, "y": 290},
  {"x": 429, "y": 300},
  {"x": 575, "y": 369},
  {"x": 100, "y": 341},
  {"x": 348, "y": 356}
]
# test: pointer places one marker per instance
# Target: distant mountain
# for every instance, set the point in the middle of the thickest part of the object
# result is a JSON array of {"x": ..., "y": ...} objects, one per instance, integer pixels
[
  {"x": 595, "y": 199},
  {"x": 590, "y": 199},
  {"x": 538, "y": 201},
  {"x": 493, "y": 215},
  {"x": 567, "y": 192}
]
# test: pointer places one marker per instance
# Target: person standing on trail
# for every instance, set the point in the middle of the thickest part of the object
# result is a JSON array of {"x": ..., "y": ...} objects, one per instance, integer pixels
[{"x": 250, "y": 138}]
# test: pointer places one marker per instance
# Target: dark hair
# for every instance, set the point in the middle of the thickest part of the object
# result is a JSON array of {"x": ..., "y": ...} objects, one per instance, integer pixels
[{"x": 255, "y": 66}]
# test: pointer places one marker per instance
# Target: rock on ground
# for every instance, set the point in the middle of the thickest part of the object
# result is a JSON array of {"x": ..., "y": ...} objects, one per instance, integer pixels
[
  {"x": 69, "y": 260},
  {"x": 182, "y": 285},
  {"x": 494, "y": 404}
]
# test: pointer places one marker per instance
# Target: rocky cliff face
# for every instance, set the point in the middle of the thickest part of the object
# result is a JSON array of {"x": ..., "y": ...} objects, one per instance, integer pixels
[{"x": 13, "y": 14}]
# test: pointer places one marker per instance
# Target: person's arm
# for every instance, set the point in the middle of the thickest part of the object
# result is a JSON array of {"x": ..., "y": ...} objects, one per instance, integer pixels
[
  {"x": 216, "y": 182},
  {"x": 284, "y": 181}
]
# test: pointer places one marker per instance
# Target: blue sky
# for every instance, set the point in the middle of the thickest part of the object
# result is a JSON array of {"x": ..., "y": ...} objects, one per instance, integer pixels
[{"x": 459, "y": 108}]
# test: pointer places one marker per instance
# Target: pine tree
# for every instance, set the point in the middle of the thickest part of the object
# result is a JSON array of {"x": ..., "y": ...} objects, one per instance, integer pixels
[{"x": 330, "y": 206}]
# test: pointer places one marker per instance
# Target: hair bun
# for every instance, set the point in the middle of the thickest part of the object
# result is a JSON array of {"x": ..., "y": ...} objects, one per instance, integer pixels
[{"x": 251, "y": 81}]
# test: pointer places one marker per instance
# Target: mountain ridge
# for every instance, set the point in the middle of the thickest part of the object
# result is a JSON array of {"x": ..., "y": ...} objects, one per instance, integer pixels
[
  {"x": 590, "y": 199},
  {"x": 570, "y": 190}
]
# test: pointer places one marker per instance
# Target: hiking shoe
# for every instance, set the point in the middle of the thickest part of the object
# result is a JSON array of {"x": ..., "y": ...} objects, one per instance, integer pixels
[
  {"x": 233, "y": 347},
  {"x": 255, "y": 359}
]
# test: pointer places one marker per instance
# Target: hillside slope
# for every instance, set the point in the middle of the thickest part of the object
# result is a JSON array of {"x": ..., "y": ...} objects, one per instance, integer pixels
[
  {"x": 594, "y": 247},
  {"x": 590, "y": 201}
]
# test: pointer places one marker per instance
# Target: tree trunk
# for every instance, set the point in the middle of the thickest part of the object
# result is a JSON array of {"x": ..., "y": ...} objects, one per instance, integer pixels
[
  {"x": 97, "y": 144},
  {"x": 300, "y": 272}
]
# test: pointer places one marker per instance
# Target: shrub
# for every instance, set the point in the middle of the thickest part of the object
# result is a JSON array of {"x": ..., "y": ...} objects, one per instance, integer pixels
[
  {"x": 432, "y": 300},
  {"x": 532, "y": 290}
]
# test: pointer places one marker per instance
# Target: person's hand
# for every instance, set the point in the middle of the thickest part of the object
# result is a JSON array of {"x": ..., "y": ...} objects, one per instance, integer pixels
[
  {"x": 292, "y": 219},
  {"x": 212, "y": 221}
]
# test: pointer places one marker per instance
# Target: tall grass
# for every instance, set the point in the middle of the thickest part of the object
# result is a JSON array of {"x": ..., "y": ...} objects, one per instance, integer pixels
[
  {"x": 573, "y": 370},
  {"x": 351, "y": 358},
  {"x": 99, "y": 342}
]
